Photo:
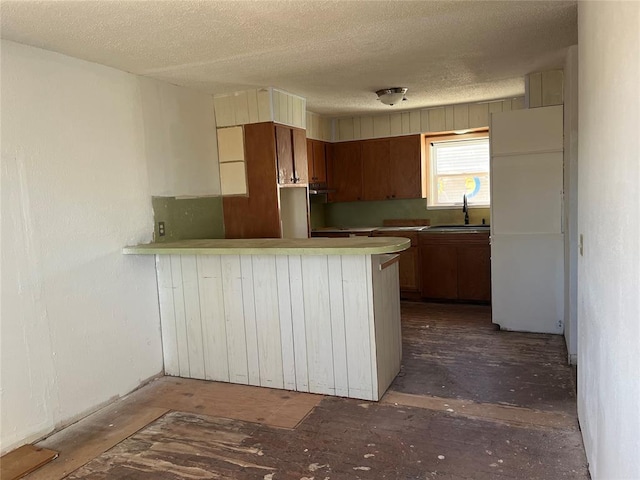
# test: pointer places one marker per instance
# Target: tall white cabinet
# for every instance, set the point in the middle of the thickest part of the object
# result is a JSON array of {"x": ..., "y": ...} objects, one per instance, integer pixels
[{"x": 527, "y": 241}]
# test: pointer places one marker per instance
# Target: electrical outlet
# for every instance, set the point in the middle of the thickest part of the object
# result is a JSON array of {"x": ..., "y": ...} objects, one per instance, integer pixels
[
  {"x": 161, "y": 229},
  {"x": 581, "y": 245}
]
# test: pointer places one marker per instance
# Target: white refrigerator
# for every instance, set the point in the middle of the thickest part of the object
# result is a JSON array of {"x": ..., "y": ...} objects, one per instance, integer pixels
[{"x": 527, "y": 241}]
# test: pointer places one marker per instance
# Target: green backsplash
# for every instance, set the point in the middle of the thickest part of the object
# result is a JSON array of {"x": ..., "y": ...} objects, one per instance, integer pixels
[
  {"x": 317, "y": 211},
  {"x": 202, "y": 217},
  {"x": 372, "y": 214},
  {"x": 188, "y": 218}
]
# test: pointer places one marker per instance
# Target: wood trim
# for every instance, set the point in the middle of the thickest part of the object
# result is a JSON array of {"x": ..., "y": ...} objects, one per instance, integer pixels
[
  {"x": 469, "y": 133},
  {"x": 387, "y": 263}
]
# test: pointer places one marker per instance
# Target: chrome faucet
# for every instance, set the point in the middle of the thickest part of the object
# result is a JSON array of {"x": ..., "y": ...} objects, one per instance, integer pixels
[{"x": 465, "y": 209}]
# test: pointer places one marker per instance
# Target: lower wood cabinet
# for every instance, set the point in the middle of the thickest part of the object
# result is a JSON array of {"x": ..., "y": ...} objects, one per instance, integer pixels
[
  {"x": 474, "y": 272},
  {"x": 455, "y": 266},
  {"x": 439, "y": 271},
  {"x": 409, "y": 263},
  {"x": 409, "y": 278}
]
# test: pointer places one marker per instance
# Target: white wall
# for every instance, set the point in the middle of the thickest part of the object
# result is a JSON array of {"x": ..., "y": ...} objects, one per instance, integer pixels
[
  {"x": 609, "y": 270},
  {"x": 180, "y": 140},
  {"x": 80, "y": 321},
  {"x": 570, "y": 187}
]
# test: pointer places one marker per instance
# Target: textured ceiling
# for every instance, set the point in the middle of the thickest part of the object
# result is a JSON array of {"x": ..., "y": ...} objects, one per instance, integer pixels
[{"x": 334, "y": 53}]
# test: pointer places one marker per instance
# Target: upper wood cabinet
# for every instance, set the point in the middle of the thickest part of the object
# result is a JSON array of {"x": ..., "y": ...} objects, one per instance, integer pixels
[
  {"x": 300, "y": 155},
  {"x": 291, "y": 155},
  {"x": 256, "y": 215},
  {"x": 346, "y": 172},
  {"x": 406, "y": 166},
  {"x": 376, "y": 170},
  {"x": 390, "y": 168},
  {"x": 273, "y": 153},
  {"x": 317, "y": 161}
]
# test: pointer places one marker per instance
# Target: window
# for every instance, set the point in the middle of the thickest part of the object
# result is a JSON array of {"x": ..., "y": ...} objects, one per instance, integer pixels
[{"x": 458, "y": 165}]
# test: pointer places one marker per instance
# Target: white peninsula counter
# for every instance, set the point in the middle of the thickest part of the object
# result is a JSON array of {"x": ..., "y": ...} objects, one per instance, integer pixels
[{"x": 318, "y": 315}]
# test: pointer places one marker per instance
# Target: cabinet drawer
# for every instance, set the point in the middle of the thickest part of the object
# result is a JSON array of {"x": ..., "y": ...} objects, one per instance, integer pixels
[{"x": 454, "y": 238}]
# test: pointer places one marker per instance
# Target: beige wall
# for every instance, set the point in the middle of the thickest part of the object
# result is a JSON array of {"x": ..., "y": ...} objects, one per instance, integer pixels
[
  {"x": 609, "y": 268},
  {"x": 179, "y": 140},
  {"x": 80, "y": 323}
]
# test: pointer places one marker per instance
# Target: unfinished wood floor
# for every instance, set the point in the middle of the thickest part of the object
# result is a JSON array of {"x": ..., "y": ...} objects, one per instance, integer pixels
[{"x": 470, "y": 403}]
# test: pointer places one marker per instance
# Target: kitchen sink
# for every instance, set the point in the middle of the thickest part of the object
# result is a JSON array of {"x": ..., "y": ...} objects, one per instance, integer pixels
[{"x": 458, "y": 228}]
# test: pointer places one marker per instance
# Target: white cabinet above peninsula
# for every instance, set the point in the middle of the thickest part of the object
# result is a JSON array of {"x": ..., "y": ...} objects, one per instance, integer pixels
[{"x": 317, "y": 315}]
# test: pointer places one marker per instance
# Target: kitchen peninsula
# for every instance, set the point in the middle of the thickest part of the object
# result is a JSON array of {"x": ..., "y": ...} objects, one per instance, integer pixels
[{"x": 319, "y": 315}]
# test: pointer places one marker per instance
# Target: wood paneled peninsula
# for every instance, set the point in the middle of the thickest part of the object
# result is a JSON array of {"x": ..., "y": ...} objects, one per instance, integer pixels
[{"x": 319, "y": 315}]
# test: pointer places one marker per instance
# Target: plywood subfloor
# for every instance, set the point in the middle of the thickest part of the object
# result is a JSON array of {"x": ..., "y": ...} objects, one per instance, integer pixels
[
  {"x": 99, "y": 432},
  {"x": 342, "y": 439},
  {"x": 278, "y": 408},
  {"x": 453, "y": 351},
  {"x": 92, "y": 436},
  {"x": 23, "y": 460}
]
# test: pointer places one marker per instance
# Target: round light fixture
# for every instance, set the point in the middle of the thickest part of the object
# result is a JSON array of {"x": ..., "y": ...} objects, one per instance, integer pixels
[{"x": 391, "y": 96}]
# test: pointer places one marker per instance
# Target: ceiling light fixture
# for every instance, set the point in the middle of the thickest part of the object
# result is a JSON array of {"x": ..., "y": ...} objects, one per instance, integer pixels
[{"x": 391, "y": 96}]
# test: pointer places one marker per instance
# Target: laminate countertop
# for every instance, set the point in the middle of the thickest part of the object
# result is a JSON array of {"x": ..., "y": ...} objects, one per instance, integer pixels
[{"x": 275, "y": 246}]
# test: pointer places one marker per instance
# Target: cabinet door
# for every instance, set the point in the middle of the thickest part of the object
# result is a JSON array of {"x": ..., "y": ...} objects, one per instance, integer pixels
[
  {"x": 346, "y": 172},
  {"x": 376, "y": 173},
  {"x": 329, "y": 150},
  {"x": 439, "y": 271},
  {"x": 310, "y": 173},
  {"x": 300, "y": 165},
  {"x": 406, "y": 167},
  {"x": 319, "y": 163},
  {"x": 256, "y": 215},
  {"x": 408, "y": 270},
  {"x": 284, "y": 152},
  {"x": 474, "y": 272}
]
